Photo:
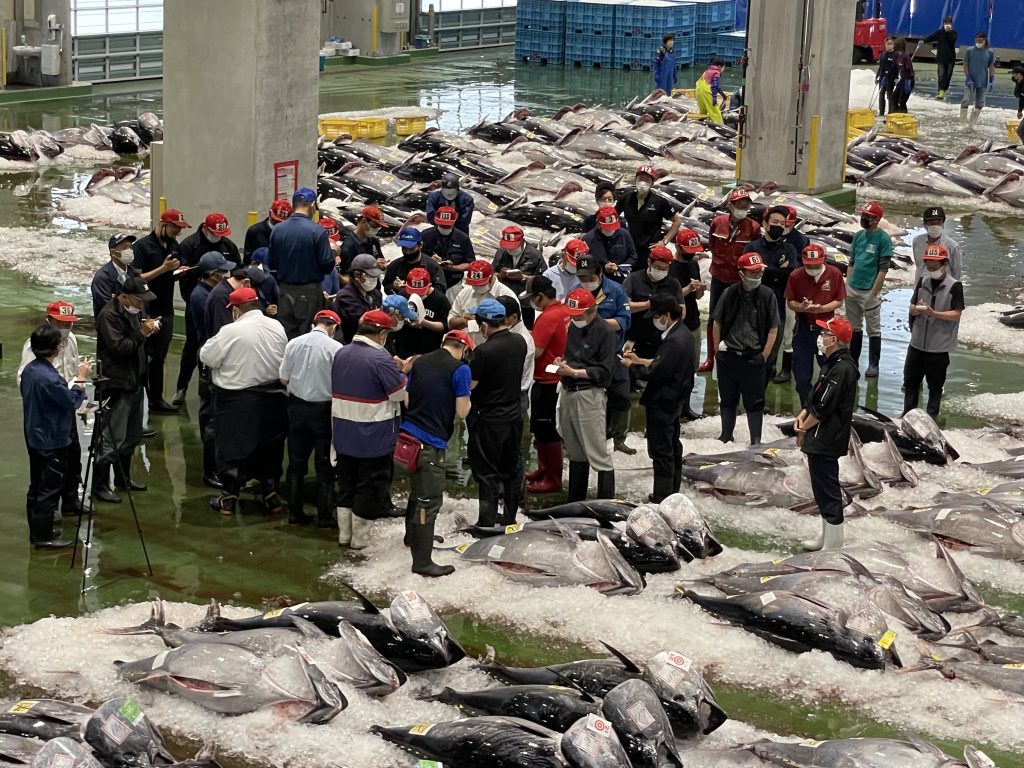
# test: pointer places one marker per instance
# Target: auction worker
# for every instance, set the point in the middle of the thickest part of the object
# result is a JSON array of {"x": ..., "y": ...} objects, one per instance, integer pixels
[
  {"x": 363, "y": 239},
  {"x": 814, "y": 292},
  {"x": 823, "y": 428},
  {"x": 50, "y": 403},
  {"x": 709, "y": 90},
  {"x": 439, "y": 390},
  {"x": 410, "y": 240},
  {"x": 563, "y": 274},
  {"x": 306, "y": 372},
  {"x": 870, "y": 257},
  {"x": 368, "y": 391},
  {"x": 645, "y": 215},
  {"x": 746, "y": 322},
  {"x": 586, "y": 371},
  {"x": 979, "y": 77},
  {"x": 665, "y": 64},
  {"x": 258, "y": 235},
  {"x": 359, "y": 296},
  {"x": 496, "y": 420},
  {"x": 935, "y": 310},
  {"x": 667, "y": 395},
  {"x": 424, "y": 334},
  {"x": 516, "y": 262},
  {"x": 452, "y": 196},
  {"x": 108, "y": 279},
  {"x": 640, "y": 288},
  {"x": 611, "y": 245},
  {"x": 934, "y": 220},
  {"x": 450, "y": 247},
  {"x": 480, "y": 284},
  {"x": 686, "y": 270},
  {"x": 244, "y": 359},
  {"x": 1017, "y": 75},
  {"x": 300, "y": 255},
  {"x": 945, "y": 54}
]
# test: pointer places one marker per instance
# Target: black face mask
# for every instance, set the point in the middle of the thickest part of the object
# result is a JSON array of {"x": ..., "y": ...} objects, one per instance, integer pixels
[
  {"x": 866, "y": 222},
  {"x": 413, "y": 256},
  {"x": 775, "y": 232},
  {"x": 687, "y": 256}
]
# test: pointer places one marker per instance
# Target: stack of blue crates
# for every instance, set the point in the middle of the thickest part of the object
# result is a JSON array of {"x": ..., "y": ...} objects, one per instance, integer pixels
[
  {"x": 540, "y": 31},
  {"x": 640, "y": 27},
  {"x": 713, "y": 17},
  {"x": 590, "y": 34},
  {"x": 731, "y": 45}
]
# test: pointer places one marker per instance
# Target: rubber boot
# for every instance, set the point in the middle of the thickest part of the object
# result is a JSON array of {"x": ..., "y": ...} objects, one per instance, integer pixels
[
  {"x": 41, "y": 531},
  {"x": 551, "y": 459},
  {"x": 422, "y": 537},
  {"x": 972, "y": 123},
  {"x": 360, "y": 532},
  {"x": 618, "y": 426},
  {"x": 709, "y": 361},
  {"x": 488, "y": 515},
  {"x": 296, "y": 486},
  {"x": 874, "y": 356},
  {"x": 344, "y": 526},
  {"x": 325, "y": 505},
  {"x": 606, "y": 484},
  {"x": 832, "y": 536},
  {"x": 728, "y": 415},
  {"x": 579, "y": 477},
  {"x": 663, "y": 486},
  {"x": 101, "y": 489},
  {"x": 813, "y": 545},
  {"x": 856, "y": 342},
  {"x": 210, "y": 479},
  {"x": 786, "y": 372},
  {"x": 539, "y": 473},
  {"x": 963, "y": 116},
  {"x": 941, "y": 96},
  {"x": 754, "y": 421}
]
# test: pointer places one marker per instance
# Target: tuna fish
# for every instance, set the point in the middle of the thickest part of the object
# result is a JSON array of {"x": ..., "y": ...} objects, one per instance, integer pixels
[
  {"x": 686, "y": 696},
  {"x": 595, "y": 676},
  {"x": 753, "y": 483},
  {"x": 599, "y": 145},
  {"x": 987, "y": 527},
  {"x": 18, "y": 750},
  {"x": 604, "y": 510},
  {"x": 123, "y": 737},
  {"x": 1009, "y": 189},
  {"x": 988, "y": 163},
  {"x": 640, "y": 721},
  {"x": 1012, "y": 467},
  {"x": 692, "y": 533},
  {"x": 64, "y": 752},
  {"x": 914, "y": 752},
  {"x": 553, "y": 706},
  {"x": 43, "y": 718},
  {"x": 592, "y": 743}
]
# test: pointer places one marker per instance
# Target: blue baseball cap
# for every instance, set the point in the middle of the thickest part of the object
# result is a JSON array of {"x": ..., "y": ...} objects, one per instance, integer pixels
[
  {"x": 303, "y": 196},
  {"x": 261, "y": 256},
  {"x": 214, "y": 261},
  {"x": 490, "y": 310},
  {"x": 399, "y": 304},
  {"x": 410, "y": 237},
  {"x": 117, "y": 238}
]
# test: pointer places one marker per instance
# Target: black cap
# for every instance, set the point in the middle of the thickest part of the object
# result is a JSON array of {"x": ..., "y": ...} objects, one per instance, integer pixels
[
  {"x": 935, "y": 212},
  {"x": 586, "y": 262},
  {"x": 1017, "y": 69},
  {"x": 449, "y": 181},
  {"x": 662, "y": 303},
  {"x": 134, "y": 286}
]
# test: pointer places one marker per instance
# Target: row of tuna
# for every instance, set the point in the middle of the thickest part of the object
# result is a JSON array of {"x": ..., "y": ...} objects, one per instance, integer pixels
[{"x": 127, "y": 137}]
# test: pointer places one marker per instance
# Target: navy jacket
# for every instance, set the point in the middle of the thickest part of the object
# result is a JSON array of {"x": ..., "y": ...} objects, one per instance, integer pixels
[
  {"x": 300, "y": 251},
  {"x": 196, "y": 310},
  {"x": 463, "y": 205},
  {"x": 106, "y": 284},
  {"x": 49, "y": 406}
]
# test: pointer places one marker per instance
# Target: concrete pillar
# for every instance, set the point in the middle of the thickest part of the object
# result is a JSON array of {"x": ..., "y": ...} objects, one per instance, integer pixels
[
  {"x": 777, "y": 134},
  {"x": 241, "y": 99}
]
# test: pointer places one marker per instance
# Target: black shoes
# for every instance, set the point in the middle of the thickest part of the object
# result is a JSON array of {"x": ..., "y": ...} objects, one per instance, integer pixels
[
  {"x": 211, "y": 481},
  {"x": 162, "y": 407},
  {"x": 52, "y": 544},
  {"x": 147, "y": 432},
  {"x": 106, "y": 494},
  {"x": 131, "y": 486}
]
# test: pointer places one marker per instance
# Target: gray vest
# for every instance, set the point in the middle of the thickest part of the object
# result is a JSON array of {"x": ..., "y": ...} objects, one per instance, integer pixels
[{"x": 930, "y": 334}]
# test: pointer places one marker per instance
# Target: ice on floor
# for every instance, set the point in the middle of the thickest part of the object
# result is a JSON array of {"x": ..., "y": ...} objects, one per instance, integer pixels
[
  {"x": 980, "y": 326},
  {"x": 54, "y": 259},
  {"x": 999, "y": 408},
  {"x": 103, "y": 211}
]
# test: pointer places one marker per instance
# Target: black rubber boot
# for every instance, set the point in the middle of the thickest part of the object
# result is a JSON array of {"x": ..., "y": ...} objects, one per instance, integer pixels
[
  {"x": 422, "y": 540},
  {"x": 874, "y": 356},
  {"x": 42, "y": 534},
  {"x": 606, "y": 484},
  {"x": 488, "y": 515},
  {"x": 579, "y": 477},
  {"x": 728, "y": 415},
  {"x": 296, "y": 487},
  {"x": 663, "y": 486},
  {"x": 754, "y": 421},
  {"x": 325, "y": 505},
  {"x": 856, "y": 342},
  {"x": 101, "y": 489},
  {"x": 786, "y": 372}
]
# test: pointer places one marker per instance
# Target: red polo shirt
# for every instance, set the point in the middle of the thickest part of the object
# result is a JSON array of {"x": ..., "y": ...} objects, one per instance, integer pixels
[
  {"x": 728, "y": 242},
  {"x": 549, "y": 331},
  {"x": 827, "y": 288}
]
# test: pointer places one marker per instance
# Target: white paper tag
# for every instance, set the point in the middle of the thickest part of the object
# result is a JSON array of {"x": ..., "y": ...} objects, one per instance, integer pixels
[
  {"x": 417, "y": 608},
  {"x": 551, "y": 368},
  {"x": 767, "y": 597},
  {"x": 669, "y": 675},
  {"x": 159, "y": 659},
  {"x": 678, "y": 660},
  {"x": 496, "y": 551},
  {"x": 942, "y": 514},
  {"x": 640, "y": 715},
  {"x": 640, "y": 526},
  {"x": 116, "y": 729},
  {"x": 599, "y": 725},
  {"x": 62, "y": 761}
]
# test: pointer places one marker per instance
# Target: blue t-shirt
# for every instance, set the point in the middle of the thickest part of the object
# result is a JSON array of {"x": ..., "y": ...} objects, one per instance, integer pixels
[
  {"x": 461, "y": 380},
  {"x": 871, "y": 253},
  {"x": 978, "y": 60}
]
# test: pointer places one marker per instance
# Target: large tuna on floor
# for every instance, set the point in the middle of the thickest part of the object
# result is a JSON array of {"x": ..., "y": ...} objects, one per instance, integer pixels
[
  {"x": 18, "y": 750},
  {"x": 43, "y": 718},
  {"x": 913, "y": 752},
  {"x": 554, "y": 706},
  {"x": 640, "y": 721},
  {"x": 123, "y": 737},
  {"x": 986, "y": 527}
]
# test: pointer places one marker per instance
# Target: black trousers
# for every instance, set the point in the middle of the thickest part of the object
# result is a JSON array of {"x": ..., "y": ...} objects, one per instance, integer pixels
[
  {"x": 543, "y": 407},
  {"x": 945, "y": 74},
  {"x": 156, "y": 353},
  {"x": 207, "y": 422},
  {"x": 494, "y": 458},
  {"x": 309, "y": 432},
  {"x": 886, "y": 91},
  {"x": 189, "y": 354},
  {"x": 903, "y": 90},
  {"x": 924, "y": 366},
  {"x": 828, "y": 494},
  {"x": 741, "y": 376},
  {"x": 664, "y": 445},
  {"x": 805, "y": 351},
  {"x": 46, "y": 471},
  {"x": 298, "y": 305},
  {"x": 121, "y": 433},
  {"x": 70, "y": 492},
  {"x": 364, "y": 484}
]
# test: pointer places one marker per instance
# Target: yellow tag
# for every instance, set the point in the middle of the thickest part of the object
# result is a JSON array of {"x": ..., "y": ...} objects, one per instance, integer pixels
[
  {"x": 420, "y": 730},
  {"x": 779, "y": 560},
  {"x": 705, "y": 466},
  {"x": 983, "y": 491},
  {"x": 936, "y": 658},
  {"x": 514, "y": 528},
  {"x": 771, "y": 452},
  {"x": 886, "y": 640},
  {"x": 273, "y": 614},
  {"x": 767, "y": 578},
  {"x": 462, "y": 548},
  {"x": 492, "y": 207},
  {"x": 1013, "y": 666},
  {"x": 702, "y": 196},
  {"x": 810, "y": 743},
  {"x": 780, "y": 199},
  {"x": 22, "y": 707},
  {"x": 388, "y": 179}
]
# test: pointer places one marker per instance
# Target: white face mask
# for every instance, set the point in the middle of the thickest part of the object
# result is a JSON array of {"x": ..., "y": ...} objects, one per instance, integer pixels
[
  {"x": 936, "y": 274},
  {"x": 450, "y": 194},
  {"x": 368, "y": 283},
  {"x": 445, "y": 231},
  {"x": 64, "y": 332},
  {"x": 133, "y": 310},
  {"x": 373, "y": 231},
  {"x": 643, "y": 187},
  {"x": 739, "y": 214},
  {"x": 979, "y": 45},
  {"x": 213, "y": 238},
  {"x": 947, "y": 27},
  {"x": 815, "y": 272},
  {"x": 657, "y": 274},
  {"x": 480, "y": 290},
  {"x": 590, "y": 285},
  {"x": 399, "y": 324},
  {"x": 821, "y": 347},
  {"x": 661, "y": 325},
  {"x": 517, "y": 251},
  {"x": 570, "y": 268},
  {"x": 751, "y": 282},
  {"x": 934, "y": 231},
  {"x": 580, "y": 323}
]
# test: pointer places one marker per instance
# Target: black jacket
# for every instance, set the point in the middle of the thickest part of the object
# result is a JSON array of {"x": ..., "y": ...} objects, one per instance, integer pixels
[
  {"x": 729, "y": 303},
  {"x": 531, "y": 263},
  {"x": 832, "y": 403},
  {"x": 670, "y": 380},
  {"x": 591, "y": 347},
  {"x": 945, "y": 45},
  {"x": 192, "y": 249},
  {"x": 256, "y": 236},
  {"x": 350, "y": 305},
  {"x": 780, "y": 259},
  {"x": 120, "y": 349},
  {"x": 150, "y": 252}
]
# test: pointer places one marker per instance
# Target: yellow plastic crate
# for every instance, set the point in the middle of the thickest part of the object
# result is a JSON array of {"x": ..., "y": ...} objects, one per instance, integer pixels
[
  {"x": 901, "y": 125},
  {"x": 407, "y": 126},
  {"x": 1011, "y": 130},
  {"x": 860, "y": 119},
  {"x": 690, "y": 93},
  {"x": 333, "y": 127},
  {"x": 372, "y": 127}
]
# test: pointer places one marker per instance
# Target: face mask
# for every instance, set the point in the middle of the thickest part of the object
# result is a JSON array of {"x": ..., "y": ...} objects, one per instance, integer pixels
[
  {"x": 739, "y": 214},
  {"x": 787, "y": 229},
  {"x": 657, "y": 274},
  {"x": 480, "y": 290},
  {"x": 133, "y": 310},
  {"x": 213, "y": 238},
  {"x": 643, "y": 187},
  {"x": 373, "y": 231},
  {"x": 368, "y": 283},
  {"x": 608, "y": 231},
  {"x": 934, "y": 231},
  {"x": 936, "y": 274},
  {"x": 64, "y": 332},
  {"x": 947, "y": 27},
  {"x": 815, "y": 272},
  {"x": 775, "y": 232},
  {"x": 751, "y": 282},
  {"x": 444, "y": 231},
  {"x": 515, "y": 253},
  {"x": 536, "y": 307},
  {"x": 590, "y": 285},
  {"x": 979, "y": 45},
  {"x": 450, "y": 194},
  {"x": 866, "y": 222},
  {"x": 400, "y": 324},
  {"x": 411, "y": 255},
  {"x": 570, "y": 268},
  {"x": 661, "y": 325},
  {"x": 580, "y": 323},
  {"x": 821, "y": 347}
]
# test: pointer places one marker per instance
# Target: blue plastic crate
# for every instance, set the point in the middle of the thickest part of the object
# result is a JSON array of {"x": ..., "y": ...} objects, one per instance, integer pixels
[
  {"x": 583, "y": 18},
  {"x": 637, "y": 53},
  {"x": 718, "y": 14},
  {"x": 541, "y": 15},
  {"x": 540, "y": 47},
  {"x": 731, "y": 45},
  {"x": 653, "y": 21},
  {"x": 589, "y": 50},
  {"x": 705, "y": 47}
]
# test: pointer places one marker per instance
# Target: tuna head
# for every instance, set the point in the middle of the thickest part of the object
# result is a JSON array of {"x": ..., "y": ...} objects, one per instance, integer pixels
[
  {"x": 67, "y": 753},
  {"x": 694, "y": 537},
  {"x": 686, "y": 697},
  {"x": 640, "y": 721},
  {"x": 122, "y": 736},
  {"x": 423, "y": 629},
  {"x": 648, "y": 529},
  {"x": 591, "y": 743},
  {"x": 918, "y": 426},
  {"x": 630, "y": 582}
]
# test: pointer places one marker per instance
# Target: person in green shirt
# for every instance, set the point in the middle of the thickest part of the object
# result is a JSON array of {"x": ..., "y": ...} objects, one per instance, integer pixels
[{"x": 870, "y": 258}]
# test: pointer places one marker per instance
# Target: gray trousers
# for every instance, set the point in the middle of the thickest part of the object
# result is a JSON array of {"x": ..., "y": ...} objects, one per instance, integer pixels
[
  {"x": 121, "y": 431},
  {"x": 298, "y": 304},
  {"x": 581, "y": 423},
  {"x": 426, "y": 487},
  {"x": 861, "y": 306}
]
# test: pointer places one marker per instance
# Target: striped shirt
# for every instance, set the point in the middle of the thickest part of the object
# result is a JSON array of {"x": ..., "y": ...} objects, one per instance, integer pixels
[{"x": 368, "y": 391}]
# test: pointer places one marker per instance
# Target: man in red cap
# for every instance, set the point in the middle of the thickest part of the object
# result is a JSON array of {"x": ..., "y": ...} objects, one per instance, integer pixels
[
  {"x": 244, "y": 360},
  {"x": 686, "y": 270},
  {"x": 156, "y": 259},
  {"x": 746, "y": 322},
  {"x": 450, "y": 247},
  {"x": 439, "y": 392},
  {"x": 823, "y": 428},
  {"x": 645, "y": 215},
  {"x": 935, "y": 310},
  {"x": 611, "y": 245},
  {"x": 729, "y": 235},
  {"x": 870, "y": 257},
  {"x": 368, "y": 390},
  {"x": 258, "y": 235},
  {"x": 363, "y": 239},
  {"x": 432, "y": 306},
  {"x": 516, "y": 262},
  {"x": 640, "y": 287},
  {"x": 331, "y": 283},
  {"x": 814, "y": 292},
  {"x": 480, "y": 284},
  {"x": 213, "y": 235},
  {"x": 586, "y": 371},
  {"x": 306, "y": 372},
  {"x": 563, "y": 274}
]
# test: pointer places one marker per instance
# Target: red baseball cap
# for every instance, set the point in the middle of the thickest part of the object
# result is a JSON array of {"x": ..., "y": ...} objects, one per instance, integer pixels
[
  {"x": 608, "y": 217},
  {"x": 378, "y": 319},
  {"x": 332, "y": 229},
  {"x": 460, "y": 336},
  {"x": 61, "y": 310},
  {"x": 838, "y": 326},
  {"x": 791, "y": 218},
  {"x": 688, "y": 240},
  {"x": 750, "y": 260},
  {"x": 479, "y": 273},
  {"x": 445, "y": 215},
  {"x": 813, "y": 254},
  {"x": 327, "y": 314},
  {"x": 280, "y": 210},
  {"x": 418, "y": 281},
  {"x": 173, "y": 216},
  {"x": 511, "y": 237},
  {"x": 579, "y": 301},
  {"x": 872, "y": 209},
  {"x": 373, "y": 214},
  {"x": 217, "y": 224},
  {"x": 740, "y": 193},
  {"x": 660, "y": 253},
  {"x": 647, "y": 170},
  {"x": 935, "y": 253},
  {"x": 241, "y": 296},
  {"x": 574, "y": 248}
]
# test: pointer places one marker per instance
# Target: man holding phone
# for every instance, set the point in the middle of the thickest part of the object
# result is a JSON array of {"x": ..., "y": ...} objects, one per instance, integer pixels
[
  {"x": 449, "y": 247},
  {"x": 515, "y": 263}
]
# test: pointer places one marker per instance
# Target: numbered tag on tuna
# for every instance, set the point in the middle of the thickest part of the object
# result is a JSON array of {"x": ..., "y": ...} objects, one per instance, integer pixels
[
  {"x": 421, "y": 730},
  {"x": 62, "y": 761},
  {"x": 116, "y": 729},
  {"x": 131, "y": 712},
  {"x": 679, "y": 661},
  {"x": 640, "y": 526},
  {"x": 273, "y": 614},
  {"x": 640, "y": 715},
  {"x": 515, "y": 528},
  {"x": 810, "y": 743},
  {"x": 599, "y": 725},
  {"x": 22, "y": 707},
  {"x": 418, "y": 610}
]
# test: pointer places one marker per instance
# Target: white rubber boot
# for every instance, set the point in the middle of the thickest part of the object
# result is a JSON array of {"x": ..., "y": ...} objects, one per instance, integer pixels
[
  {"x": 344, "y": 526},
  {"x": 973, "y": 122},
  {"x": 813, "y": 545},
  {"x": 360, "y": 532},
  {"x": 833, "y": 538},
  {"x": 963, "y": 115}
]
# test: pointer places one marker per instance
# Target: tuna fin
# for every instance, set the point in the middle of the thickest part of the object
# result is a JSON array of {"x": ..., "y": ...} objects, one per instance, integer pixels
[
  {"x": 567, "y": 189},
  {"x": 976, "y": 758},
  {"x": 569, "y": 136},
  {"x": 148, "y": 627},
  {"x": 566, "y": 532},
  {"x": 626, "y": 662},
  {"x": 368, "y": 606},
  {"x": 858, "y": 569},
  {"x": 444, "y": 696},
  {"x": 572, "y": 684},
  {"x": 309, "y": 630},
  {"x": 986, "y": 145},
  {"x": 967, "y": 589},
  {"x": 923, "y": 746}
]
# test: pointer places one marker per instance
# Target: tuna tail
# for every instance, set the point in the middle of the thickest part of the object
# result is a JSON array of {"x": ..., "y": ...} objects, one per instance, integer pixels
[
  {"x": 445, "y": 696},
  {"x": 970, "y": 644},
  {"x": 330, "y": 701},
  {"x": 976, "y": 758},
  {"x": 567, "y": 189},
  {"x": 148, "y": 627},
  {"x": 211, "y": 619},
  {"x": 967, "y": 589}
]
